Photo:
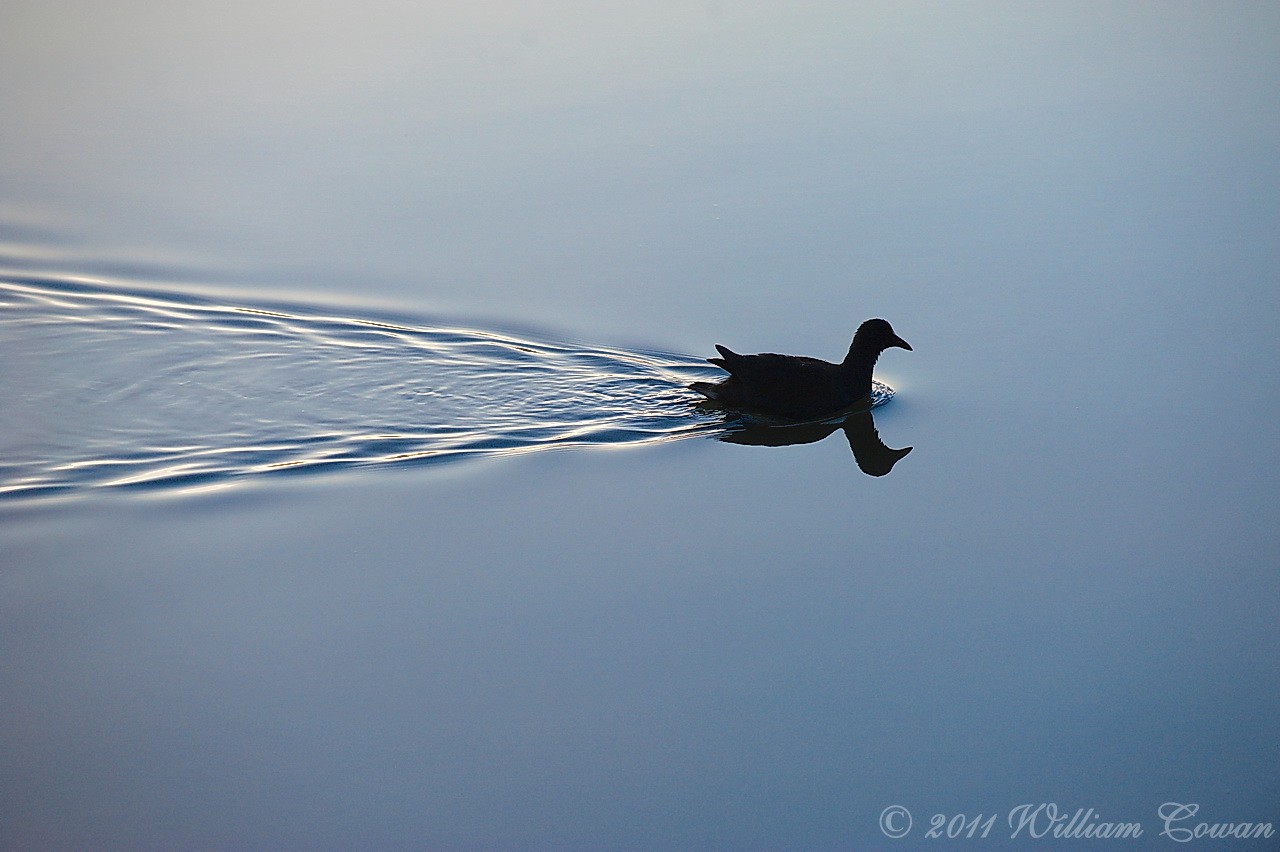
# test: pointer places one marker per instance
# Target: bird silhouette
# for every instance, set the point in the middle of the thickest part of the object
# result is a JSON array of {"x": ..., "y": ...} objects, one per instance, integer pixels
[{"x": 797, "y": 387}]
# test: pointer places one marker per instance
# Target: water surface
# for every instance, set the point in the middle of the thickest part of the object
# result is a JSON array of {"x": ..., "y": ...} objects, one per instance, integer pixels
[{"x": 410, "y": 247}]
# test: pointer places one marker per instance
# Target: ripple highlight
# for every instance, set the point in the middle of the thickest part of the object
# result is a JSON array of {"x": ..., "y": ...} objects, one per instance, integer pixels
[{"x": 140, "y": 391}]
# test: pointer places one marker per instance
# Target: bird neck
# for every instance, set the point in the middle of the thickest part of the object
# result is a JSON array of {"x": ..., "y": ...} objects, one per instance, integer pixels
[
  {"x": 857, "y": 367},
  {"x": 860, "y": 355}
]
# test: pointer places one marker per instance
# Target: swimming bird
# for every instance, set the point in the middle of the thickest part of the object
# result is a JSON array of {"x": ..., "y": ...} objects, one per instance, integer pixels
[{"x": 797, "y": 387}]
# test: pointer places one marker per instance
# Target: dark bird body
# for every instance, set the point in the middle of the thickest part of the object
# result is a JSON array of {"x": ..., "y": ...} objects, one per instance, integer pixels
[{"x": 796, "y": 387}]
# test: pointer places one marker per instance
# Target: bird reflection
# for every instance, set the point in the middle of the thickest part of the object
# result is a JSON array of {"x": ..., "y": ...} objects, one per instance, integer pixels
[{"x": 869, "y": 452}]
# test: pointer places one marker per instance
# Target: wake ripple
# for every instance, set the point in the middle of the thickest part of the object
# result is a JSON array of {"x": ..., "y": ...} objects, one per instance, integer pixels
[{"x": 109, "y": 388}]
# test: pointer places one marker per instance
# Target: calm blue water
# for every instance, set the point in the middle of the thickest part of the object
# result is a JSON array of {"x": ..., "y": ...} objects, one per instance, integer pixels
[{"x": 351, "y": 495}]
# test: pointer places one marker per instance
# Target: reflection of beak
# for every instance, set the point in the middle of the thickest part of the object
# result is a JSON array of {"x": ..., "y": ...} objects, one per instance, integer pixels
[{"x": 898, "y": 341}]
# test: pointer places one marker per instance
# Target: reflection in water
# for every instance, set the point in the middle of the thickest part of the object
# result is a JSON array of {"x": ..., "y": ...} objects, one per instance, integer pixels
[{"x": 869, "y": 452}]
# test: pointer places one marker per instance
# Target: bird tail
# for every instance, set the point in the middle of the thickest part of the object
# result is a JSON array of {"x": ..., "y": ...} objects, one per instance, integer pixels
[{"x": 726, "y": 359}]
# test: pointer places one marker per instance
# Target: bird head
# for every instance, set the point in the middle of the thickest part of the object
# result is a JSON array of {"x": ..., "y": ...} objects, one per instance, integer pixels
[{"x": 876, "y": 335}]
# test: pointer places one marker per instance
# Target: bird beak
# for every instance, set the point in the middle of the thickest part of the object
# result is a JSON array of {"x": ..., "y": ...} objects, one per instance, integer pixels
[{"x": 898, "y": 341}]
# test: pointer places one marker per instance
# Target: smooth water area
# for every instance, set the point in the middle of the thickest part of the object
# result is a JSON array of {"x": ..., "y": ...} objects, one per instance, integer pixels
[{"x": 351, "y": 493}]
